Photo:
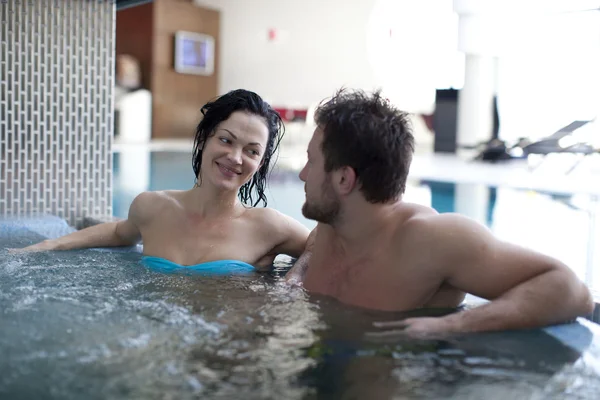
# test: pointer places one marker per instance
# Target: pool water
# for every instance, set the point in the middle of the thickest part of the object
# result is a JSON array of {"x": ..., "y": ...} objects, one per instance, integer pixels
[{"x": 97, "y": 324}]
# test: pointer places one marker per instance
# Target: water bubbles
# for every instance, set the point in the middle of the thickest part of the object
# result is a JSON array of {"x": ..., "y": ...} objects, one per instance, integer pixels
[
  {"x": 477, "y": 361},
  {"x": 12, "y": 266},
  {"x": 124, "y": 286},
  {"x": 95, "y": 354},
  {"x": 189, "y": 339},
  {"x": 171, "y": 368},
  {"x": 136, "y": 342},
  {"x": 451, "y": 352},
  {"x": 23, "y": 303},
  {"x": 195, "y": 384}
]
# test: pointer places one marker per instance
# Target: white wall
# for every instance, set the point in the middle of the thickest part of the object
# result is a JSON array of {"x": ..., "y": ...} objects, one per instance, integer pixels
[
  {"x": 325, "y": 44},
  {"x": 548, "y": 55},
  {"x": 321, "y": 46},
  {"x": 549, "y": 52},
  {"x": 553, "y": 77}
]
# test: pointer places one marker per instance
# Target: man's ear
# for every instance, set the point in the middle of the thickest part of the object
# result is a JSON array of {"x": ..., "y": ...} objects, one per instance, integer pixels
[{"x": 345, "y": 180}]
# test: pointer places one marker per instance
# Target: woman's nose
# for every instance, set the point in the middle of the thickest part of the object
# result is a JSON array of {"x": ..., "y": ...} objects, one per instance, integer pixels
[{"x": 235, "y": 156}]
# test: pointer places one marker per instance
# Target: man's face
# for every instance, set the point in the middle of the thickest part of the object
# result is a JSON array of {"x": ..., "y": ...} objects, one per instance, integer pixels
[{"x": 322, "y": 202}]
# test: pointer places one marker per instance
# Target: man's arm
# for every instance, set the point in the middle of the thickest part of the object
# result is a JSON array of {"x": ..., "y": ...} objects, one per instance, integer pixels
[
  {"x": 291, "y": 235},
  {"x": 527, "y": 289},
  {"x": 295, "y": 275},
  {"x": 110, "y": 234}
]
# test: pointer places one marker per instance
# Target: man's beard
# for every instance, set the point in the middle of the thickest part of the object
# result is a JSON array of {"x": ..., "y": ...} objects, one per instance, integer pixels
[{"x": 327, "y": 211}]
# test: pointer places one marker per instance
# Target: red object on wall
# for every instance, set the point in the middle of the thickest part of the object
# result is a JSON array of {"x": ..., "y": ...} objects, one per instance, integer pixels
[
  {"x": 272, "y": 34},
  {"x": 289, "y": 114}
]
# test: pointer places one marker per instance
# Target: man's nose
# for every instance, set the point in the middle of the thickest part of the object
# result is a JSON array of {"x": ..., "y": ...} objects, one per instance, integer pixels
[{"x": 302, "y": 174}]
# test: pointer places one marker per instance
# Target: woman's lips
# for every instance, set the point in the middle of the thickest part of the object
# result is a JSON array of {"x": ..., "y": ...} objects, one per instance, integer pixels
[{"x": 229, "y": 172}]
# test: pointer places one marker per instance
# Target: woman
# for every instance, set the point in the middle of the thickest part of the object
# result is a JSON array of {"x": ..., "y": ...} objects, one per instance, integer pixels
[{"x": 210, "y": 226}]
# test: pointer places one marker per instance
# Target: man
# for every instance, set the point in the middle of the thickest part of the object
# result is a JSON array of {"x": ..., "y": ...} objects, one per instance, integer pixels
[{"x": 371, "y": 249}]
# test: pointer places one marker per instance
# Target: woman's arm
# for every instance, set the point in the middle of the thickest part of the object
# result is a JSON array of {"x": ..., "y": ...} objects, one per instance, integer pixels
[{"x": 110, "y": 234}]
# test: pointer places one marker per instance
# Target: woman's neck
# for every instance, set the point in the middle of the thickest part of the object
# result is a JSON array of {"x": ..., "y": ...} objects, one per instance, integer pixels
[{"x": 210, "y": 203}]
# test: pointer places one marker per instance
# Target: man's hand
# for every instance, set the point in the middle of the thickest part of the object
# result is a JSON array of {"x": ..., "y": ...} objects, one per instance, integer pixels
[
  {"x": 415, "y": 327},
  {"x": 295, "y": 275}
]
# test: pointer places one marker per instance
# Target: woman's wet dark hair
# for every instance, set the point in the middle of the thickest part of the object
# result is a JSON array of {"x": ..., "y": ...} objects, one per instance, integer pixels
[{"x": 219, "y": 110}]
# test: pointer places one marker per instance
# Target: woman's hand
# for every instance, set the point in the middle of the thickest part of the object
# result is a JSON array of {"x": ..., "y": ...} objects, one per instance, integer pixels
[{"x": 45, "y": 245}]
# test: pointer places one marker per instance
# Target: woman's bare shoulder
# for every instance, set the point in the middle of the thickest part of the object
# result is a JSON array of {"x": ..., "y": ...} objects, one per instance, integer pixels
[
  {"x": 148, "y": 204},
  {"x": 271, "y": 219}
]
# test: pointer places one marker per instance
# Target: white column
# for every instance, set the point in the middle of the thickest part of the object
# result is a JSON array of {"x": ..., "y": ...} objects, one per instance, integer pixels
[
  {"x": 134, "y": 170},
  {"x": 476, "y": 100},
  {"x": 514, "y": 30},
  {"x": 472, "y": 200}
]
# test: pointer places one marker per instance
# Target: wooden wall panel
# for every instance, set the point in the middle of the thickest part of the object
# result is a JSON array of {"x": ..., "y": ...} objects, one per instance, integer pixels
[
  {"x": 148, "y": 33},
  {"x": 178, "y": 97},
  {"x": 134, "y": 37}
]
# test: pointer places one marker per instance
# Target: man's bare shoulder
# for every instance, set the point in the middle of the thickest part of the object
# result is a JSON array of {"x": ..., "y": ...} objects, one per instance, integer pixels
[
  {"x": 410, "y": 216},
  {"x": 444, "y": 231},
  {"x": 446, "y": 223}
]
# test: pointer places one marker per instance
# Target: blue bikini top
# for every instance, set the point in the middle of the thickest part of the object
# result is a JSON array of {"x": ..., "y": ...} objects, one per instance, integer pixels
[{"x": 218, "y": 267}]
